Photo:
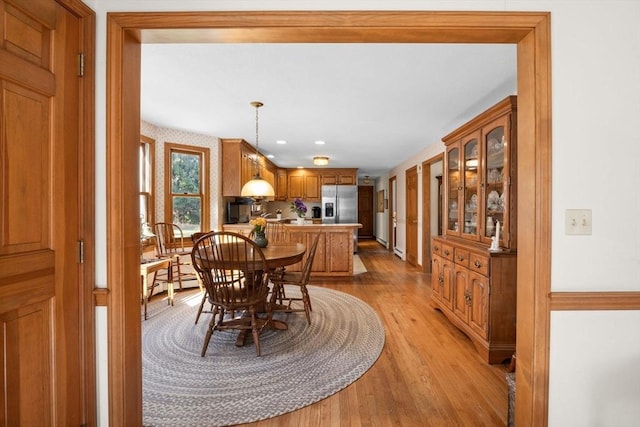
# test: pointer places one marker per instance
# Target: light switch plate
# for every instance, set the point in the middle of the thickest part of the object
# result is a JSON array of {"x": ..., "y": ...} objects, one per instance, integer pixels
[{"x": 578, "y": 222}]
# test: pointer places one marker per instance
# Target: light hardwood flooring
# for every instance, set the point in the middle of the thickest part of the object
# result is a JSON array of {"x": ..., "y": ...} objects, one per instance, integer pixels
[{"x": 428, "y": 374}]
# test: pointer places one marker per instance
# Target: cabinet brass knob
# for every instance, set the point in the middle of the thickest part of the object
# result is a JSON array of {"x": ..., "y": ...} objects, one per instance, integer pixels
[
  {"x": 478, "y": 264},
  {"x": 446, "y": 253}
]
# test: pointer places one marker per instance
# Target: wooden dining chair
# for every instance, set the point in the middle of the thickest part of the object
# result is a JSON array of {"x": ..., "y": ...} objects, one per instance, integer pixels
[
  {"x": 282, "y": 303},
  {"x": 194, "y": 238},
  {"x": 234, "y": 273},
  {"x": 276, "y": 232},
  {"x": 169, "y": 242}
]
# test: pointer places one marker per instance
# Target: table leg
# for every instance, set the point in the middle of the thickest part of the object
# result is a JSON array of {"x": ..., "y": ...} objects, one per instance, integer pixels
[
  {"x": 145, "y": 294},
  {"x": 170, "y": 284}
]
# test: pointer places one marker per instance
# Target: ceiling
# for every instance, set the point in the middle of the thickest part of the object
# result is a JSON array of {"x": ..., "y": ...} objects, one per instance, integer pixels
[{"x": 374, "y": 105}]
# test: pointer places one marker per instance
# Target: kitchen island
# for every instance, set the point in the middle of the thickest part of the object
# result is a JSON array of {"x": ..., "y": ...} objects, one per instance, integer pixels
[{"x": 334, "y": 256}]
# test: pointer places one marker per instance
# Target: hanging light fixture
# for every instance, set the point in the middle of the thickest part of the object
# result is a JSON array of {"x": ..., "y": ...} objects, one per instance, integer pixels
[
  {"x": 320, "y": 160},
  {"x": 257, "y": 188}
]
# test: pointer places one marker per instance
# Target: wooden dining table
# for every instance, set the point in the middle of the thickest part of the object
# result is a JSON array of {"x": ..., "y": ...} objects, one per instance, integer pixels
[{"x": 276, "y": 256}]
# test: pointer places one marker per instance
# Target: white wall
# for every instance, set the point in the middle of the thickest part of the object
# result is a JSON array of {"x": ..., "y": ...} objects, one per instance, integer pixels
[
  {"x": 595, "y": 356},
  {"x": 163, "y": 135}
]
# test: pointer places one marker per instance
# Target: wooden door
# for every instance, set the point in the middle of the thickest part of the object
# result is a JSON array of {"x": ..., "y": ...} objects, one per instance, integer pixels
[
  {"x": 412, "y": 216},
  {"x": 281, "y": 184},
  {"x": 295, "y": 186},
  {"x": 478, "y": 309},
  {"x": 312, "y": 187},
  {"x": 460, "y": 292},
  {"x": 447, "y": 290},
  {"x": 42, "y": 294},
  {"x": 437, "y": 278},
  {"x": 365, "y": 211}
]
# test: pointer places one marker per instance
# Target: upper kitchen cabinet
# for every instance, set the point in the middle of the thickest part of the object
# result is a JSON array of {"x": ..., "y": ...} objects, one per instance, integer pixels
[
  {"x": 480, "y": 178},
  {"x": 341, "y": 176},
  {"x": 304, "y": 184},
  {"x": 281, "y": 187},
  {"x": 239, "y": 163}
]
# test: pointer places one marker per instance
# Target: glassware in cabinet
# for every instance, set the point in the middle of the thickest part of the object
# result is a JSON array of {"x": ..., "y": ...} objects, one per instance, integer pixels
[
  {"x": 471, "y": 194},
  {"x": 454, "y": 183},
  {"x": 496, "y": 178}
]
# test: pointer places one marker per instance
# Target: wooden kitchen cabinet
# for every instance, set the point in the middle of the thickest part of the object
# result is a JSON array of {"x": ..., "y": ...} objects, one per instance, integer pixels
[
  {"x": 239, "y": 166},
  {"x": 334, "y": 256},
  {"x": 476, "y": 288},
  {"x": 339, "y": 176},
  {"x": 281, "y": 187},
  {"x": 304, "y": 184}
]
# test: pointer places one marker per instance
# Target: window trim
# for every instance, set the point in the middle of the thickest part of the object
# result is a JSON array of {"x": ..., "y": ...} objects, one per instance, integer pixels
[
  {"x": 205, "y": 194},
  {"x": 151, "y": 198}
]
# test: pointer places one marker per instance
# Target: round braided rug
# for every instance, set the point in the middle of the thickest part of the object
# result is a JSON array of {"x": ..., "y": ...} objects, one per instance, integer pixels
[{"x": 231, "y": 385}]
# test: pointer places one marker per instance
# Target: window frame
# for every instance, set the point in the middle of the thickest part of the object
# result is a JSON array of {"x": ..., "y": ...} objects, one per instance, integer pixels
[
  {"x": 151, "y": 176},
  {"x": 204, "y": 195}
]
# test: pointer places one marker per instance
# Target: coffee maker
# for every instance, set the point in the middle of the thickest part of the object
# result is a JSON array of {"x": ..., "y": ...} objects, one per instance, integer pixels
[{"x": 317, "y": 211}]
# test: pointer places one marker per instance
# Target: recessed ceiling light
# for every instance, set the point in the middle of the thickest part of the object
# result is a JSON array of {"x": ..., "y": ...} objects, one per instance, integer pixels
[
  {"x": 281, "y": 142},
  {"x": 270, "y": 156},
  {"x": 319, "y": 142}
]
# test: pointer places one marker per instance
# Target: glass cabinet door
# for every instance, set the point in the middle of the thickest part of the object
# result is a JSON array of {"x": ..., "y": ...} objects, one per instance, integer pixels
[
  {"x": 471, "y": 201},
  {"x": 454, "y": 183},
  {"x": 496, "y": 178}
]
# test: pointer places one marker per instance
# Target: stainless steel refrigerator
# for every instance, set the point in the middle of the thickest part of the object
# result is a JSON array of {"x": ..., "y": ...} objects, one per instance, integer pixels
[{"x": 340, "y": 206}]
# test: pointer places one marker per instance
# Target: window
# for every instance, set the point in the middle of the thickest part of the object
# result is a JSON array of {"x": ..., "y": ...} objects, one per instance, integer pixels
[
  {"x": 147, "y": 180},
  {"x": 186, "y": 187}
]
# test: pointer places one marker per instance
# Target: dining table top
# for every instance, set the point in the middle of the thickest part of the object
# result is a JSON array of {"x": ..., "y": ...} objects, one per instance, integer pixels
[{"x": 282, "y": 254}]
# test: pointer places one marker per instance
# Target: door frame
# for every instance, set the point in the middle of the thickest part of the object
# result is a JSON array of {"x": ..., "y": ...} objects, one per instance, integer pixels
[
  {"x": 427, "y": 211},
  {"x": 413, "y": 170},
  {"x": 530, "y": 31},
  {"x": 393, "y": 221}
]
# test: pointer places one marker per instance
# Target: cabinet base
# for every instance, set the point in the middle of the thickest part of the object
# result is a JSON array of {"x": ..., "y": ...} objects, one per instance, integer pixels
[{"x": 491, "y": 352}]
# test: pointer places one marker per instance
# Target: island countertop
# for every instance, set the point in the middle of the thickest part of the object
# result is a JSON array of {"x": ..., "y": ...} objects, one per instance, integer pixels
[{"x": 334, "y": 256}]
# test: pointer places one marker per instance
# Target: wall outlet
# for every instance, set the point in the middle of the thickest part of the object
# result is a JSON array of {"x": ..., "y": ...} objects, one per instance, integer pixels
[{"x": 578, "y": 222}]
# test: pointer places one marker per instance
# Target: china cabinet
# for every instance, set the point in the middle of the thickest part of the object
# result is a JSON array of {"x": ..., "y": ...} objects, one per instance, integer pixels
[
  {"x": 481, "y": 175},
  {"x": 473, "y": 282}
]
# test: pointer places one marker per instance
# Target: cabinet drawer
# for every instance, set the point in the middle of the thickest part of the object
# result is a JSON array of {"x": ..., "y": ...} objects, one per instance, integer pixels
[
  {"x": 479, "y": 264},
  {"x": 447, "y": 251},
  {"x": 436, "y": 248},
  {"x": 461, "y": 257}
]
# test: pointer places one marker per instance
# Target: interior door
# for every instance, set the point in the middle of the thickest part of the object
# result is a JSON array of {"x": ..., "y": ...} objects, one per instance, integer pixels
[
  {"x": 41, "y": 321},
  {"x": 412, "y": 215},
  {"x": 365, "y": 211}
]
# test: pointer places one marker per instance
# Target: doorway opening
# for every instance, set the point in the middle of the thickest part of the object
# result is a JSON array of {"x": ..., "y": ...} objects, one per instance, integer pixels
[{"x": 529, "y": 30}]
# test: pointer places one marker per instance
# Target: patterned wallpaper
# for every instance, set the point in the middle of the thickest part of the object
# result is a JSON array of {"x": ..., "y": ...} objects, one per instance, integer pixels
[{"x": 174, "y": 136}]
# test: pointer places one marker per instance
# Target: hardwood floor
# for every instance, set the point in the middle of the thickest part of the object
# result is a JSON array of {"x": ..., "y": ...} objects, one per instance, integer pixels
[{"x": 428, "y": 374}]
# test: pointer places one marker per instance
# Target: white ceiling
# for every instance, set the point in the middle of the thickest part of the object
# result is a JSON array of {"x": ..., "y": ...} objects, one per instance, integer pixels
[{"x": 375, "y": 105}]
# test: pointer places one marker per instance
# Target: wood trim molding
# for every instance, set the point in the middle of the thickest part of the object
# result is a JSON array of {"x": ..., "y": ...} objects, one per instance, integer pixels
[
  {"x": 101, "y": 297},
  {"x": 529, "y": 30},
  {"x": 579, "y": 301}
]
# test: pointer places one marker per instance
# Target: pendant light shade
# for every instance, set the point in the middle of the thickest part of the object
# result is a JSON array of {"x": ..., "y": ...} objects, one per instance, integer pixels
[{"x": 257, "y": 188}]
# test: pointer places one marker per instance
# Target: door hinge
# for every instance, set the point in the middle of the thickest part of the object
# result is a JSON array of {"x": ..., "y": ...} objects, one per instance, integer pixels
[
  {"x": 80, "y": 251},
  {"x": 81, "y": 65}
]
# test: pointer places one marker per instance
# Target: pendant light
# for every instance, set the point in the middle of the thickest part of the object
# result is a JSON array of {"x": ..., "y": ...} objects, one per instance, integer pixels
[{"x": 257, "y": 188}]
